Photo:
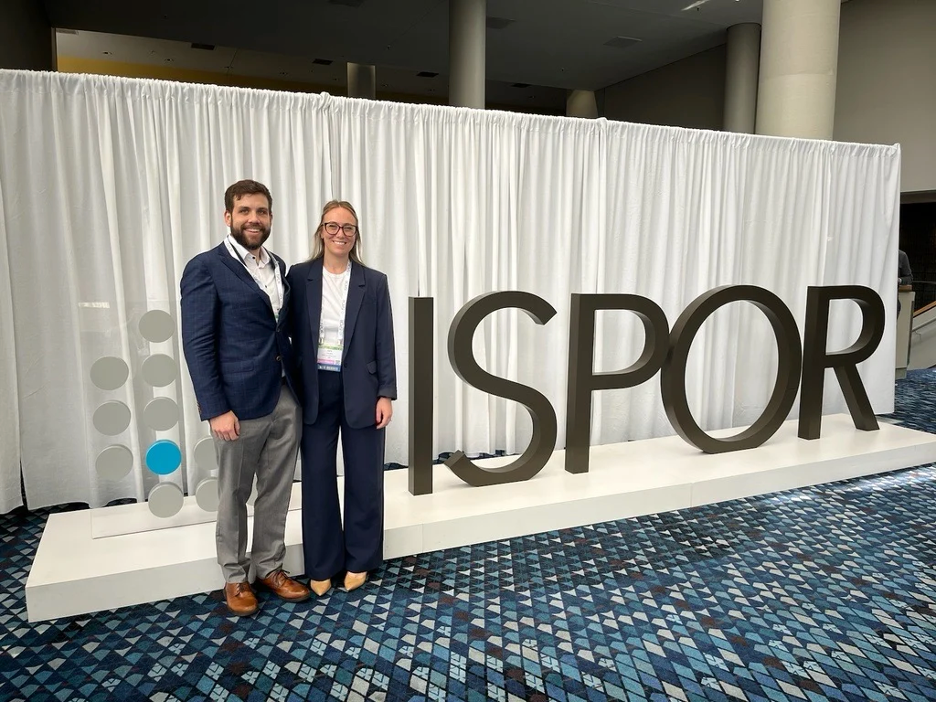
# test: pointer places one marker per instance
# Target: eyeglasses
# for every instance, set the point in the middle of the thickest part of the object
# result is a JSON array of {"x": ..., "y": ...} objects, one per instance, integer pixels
[{"x": 333, "y": 227}]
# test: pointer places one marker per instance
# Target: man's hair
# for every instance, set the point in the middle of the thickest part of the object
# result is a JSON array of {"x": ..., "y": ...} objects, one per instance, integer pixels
[{"x": 245, "y": 187}]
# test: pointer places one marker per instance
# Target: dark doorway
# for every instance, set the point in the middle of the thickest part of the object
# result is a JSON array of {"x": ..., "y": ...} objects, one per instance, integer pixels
[{"x": 918, "y": 239}]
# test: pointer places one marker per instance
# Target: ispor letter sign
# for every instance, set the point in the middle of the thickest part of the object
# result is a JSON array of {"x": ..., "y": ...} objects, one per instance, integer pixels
[{"x": 665, "y": 350}]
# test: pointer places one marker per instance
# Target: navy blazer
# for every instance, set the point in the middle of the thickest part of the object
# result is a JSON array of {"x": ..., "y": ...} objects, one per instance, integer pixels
[
  {"x": 368, "y": 364},
  {"x": 235, "y": 347}
]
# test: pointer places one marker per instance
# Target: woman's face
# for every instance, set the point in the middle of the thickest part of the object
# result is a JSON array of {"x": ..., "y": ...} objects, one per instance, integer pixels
[{"x": 339, "y": 232}]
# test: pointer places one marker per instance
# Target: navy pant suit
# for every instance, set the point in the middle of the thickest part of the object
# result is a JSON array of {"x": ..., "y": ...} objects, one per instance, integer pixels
[{"x": 342, "y": 401}]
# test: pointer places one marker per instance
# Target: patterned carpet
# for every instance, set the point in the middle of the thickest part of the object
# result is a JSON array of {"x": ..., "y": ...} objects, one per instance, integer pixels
[{"x": 825, "y": 593}]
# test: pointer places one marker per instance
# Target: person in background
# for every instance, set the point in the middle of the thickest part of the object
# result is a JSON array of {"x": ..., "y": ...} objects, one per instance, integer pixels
[{"x": 904, "y": 275}]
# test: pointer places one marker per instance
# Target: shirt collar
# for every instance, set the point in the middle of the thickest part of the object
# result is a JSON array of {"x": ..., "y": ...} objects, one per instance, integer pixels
[{"x": 262, "y": 259}]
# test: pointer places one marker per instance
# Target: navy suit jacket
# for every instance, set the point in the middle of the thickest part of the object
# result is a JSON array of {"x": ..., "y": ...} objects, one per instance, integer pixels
[
  {"x": 368, "y": 364},
  {"x": 235, "y": 348}
]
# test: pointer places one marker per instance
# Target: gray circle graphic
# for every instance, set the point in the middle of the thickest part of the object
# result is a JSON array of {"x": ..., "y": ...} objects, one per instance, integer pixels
[
  {"x": 206, "y": 494},
  {"x": 166, "y": 499},
  {"x": 109, "y": 372},
  {"x": 205, "y": 457},
  {"x": 161, "y": 413},
  {"x": 159, "y": 370},
  {"x": 156, "y": 325},
  {"x": 111, "y": 418},
  {"x": 114, "y": 462}
]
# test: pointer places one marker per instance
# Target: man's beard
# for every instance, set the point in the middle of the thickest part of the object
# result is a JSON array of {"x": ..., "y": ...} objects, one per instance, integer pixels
[{"x": 241, "y": 238}]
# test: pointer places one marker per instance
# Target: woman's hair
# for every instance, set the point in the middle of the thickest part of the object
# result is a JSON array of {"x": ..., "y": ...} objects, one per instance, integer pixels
[{"x": 318, "y": 246}]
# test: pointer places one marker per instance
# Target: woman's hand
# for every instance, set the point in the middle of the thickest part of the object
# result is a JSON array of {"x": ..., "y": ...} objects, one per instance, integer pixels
[{"x": 384, "y": 412}]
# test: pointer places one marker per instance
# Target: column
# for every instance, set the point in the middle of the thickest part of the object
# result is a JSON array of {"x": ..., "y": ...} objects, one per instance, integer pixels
[
  {"x": 467, "y": 26},
  {"x": 27, "y": 40},
  {"x": 741, "y": 64},
  {"x": 798, "y": 65},
  {"x": 362, "y": 81},
  {"x": 581, "y": 103}
]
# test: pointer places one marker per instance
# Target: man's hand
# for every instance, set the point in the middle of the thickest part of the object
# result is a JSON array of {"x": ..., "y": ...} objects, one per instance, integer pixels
[
  {"x": 384, "y": 412},
  {"x": 225, "y": 426}
]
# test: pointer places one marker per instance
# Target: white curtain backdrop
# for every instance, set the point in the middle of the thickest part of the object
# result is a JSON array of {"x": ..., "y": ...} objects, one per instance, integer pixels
[{"x": 108, "y": 186}]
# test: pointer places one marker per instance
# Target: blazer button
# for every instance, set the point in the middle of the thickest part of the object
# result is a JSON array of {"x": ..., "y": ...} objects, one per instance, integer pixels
[{"x": 279, "y": 358}]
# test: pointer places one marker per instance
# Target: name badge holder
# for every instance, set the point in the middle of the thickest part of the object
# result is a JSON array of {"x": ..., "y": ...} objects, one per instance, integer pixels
[{"x": 330, "y": 352}]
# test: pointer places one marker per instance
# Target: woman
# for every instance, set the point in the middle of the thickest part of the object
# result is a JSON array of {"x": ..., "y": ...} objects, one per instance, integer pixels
[{"x": 342, "y": 332}]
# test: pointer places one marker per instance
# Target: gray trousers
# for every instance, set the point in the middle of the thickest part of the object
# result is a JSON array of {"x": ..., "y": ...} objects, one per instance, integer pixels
[{"x": 267, "y": 446}]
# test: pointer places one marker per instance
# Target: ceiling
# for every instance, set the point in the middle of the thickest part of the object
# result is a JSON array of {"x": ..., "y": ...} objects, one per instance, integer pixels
[{"x": 550, "y": 45}]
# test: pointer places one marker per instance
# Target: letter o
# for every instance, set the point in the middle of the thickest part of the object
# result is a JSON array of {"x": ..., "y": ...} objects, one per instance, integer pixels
[{"x": 673, "y": 377}]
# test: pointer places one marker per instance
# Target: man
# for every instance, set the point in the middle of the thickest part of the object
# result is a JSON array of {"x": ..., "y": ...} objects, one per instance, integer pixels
[
  {"x": 234, "y": 302},
  {"x": 904, "y": 274}
]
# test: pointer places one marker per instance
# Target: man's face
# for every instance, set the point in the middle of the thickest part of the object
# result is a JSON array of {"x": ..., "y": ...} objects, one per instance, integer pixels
[{"x": 250, "y": 221}]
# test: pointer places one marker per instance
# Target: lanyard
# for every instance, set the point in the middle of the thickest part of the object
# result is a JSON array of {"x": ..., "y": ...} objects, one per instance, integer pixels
[
  {"x": 277, "y": 283},
  {"x": 346, "y": 276}
]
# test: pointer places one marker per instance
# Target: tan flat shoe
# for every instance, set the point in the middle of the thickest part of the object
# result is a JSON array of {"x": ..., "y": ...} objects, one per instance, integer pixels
[
  {"x": 353, "y": 581},
  {"x": 320, "y": 587}
]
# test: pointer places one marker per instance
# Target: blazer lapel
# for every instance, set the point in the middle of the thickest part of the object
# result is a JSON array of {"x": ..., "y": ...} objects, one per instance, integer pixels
[
  {"x": 355, "y": 297},
  {"x": 241, "y": 272},
  {"x": 314, "y": 302}
]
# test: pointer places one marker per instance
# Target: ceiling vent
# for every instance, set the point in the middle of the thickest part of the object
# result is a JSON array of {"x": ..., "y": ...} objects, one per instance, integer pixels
[
  {"x": 427, "y": 74},
  {"x": 203, "y": 47},
  {"x": 322, "y": 62},
  {"x": 348, "y": 3},
  {"x": 520, "y": 85}
]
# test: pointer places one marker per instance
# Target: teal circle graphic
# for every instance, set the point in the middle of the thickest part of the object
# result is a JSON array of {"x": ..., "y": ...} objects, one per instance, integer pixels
[{"x": 163, "y": 457}]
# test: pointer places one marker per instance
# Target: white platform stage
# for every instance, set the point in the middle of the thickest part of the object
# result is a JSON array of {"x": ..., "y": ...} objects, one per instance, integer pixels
[{"x": 76, "y": 573}]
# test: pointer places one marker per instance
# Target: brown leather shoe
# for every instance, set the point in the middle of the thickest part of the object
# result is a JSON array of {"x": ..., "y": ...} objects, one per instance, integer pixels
[
  {"x": 284, "y": 587},
  {"x": 240, "y": 599}
]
